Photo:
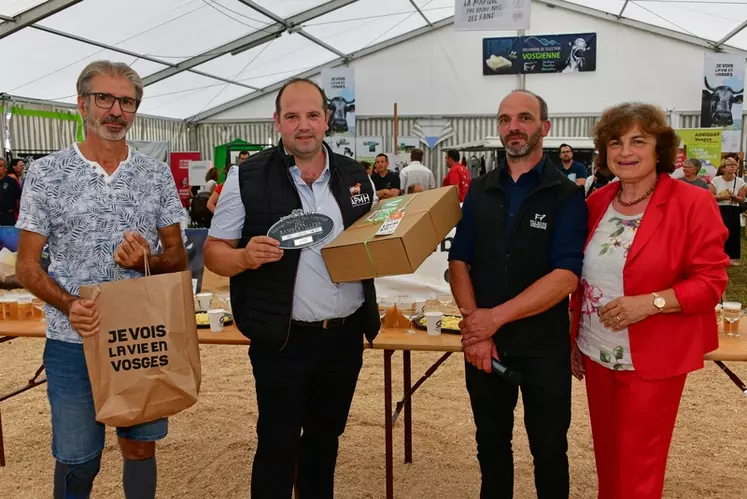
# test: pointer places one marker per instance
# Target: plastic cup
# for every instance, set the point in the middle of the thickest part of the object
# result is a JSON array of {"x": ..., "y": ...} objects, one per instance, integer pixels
[
  {"x": 420, "y": 304},
  {"x": 433, "y": 322},
  {"x": 25, "y": 308},
  {"x": 215, "y": 316},
  {"x": 204, "y": 300}
]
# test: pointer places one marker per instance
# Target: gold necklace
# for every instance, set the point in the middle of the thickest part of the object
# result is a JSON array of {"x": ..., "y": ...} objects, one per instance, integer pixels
[{"x": 642, "y": 198}]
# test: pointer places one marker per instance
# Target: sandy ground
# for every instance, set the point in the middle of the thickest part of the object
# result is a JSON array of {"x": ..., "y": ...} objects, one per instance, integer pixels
[{"x": 210, "y": 446}]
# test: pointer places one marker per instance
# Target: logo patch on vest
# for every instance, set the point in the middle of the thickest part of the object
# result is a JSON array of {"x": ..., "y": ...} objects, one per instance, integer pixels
[
  {"x": 538, "y": 222},
  {"x": 356, "y": 189},
  {"x": 360, "y": 199}
]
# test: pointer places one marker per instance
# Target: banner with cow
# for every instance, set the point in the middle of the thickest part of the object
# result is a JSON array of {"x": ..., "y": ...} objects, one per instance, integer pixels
[
  {"x": 534, "y": 54},
  {"x": 721, "y": 104},
  {"x": 339, "y": 88}
]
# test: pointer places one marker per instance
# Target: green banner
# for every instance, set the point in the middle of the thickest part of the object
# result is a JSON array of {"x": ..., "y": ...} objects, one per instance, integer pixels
[
  {"x": 701, "y": 143},
  {"x": 53, "y": 115}
]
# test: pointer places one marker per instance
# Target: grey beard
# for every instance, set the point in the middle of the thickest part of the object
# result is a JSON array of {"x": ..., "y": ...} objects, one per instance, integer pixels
[
  {"x": 525, "y": 151},
  {"x": 98, "y": 128}
]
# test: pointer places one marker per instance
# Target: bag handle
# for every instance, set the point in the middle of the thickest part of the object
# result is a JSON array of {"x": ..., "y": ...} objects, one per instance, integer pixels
[{"x": 145, "y": 264}]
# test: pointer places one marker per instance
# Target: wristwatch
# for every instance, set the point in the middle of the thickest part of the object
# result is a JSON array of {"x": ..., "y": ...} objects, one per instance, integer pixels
[{"x": 659, "y": 302}]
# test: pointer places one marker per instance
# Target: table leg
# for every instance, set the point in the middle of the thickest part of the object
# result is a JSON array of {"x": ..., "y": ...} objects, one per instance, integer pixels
[
  {"x": 406, "y": 374},
  {"x": 740, "y": 384},
  {"x": 388, "y": 423},
  {"x": 2, "y": 443},
  {"x": 33, "y": 382}
]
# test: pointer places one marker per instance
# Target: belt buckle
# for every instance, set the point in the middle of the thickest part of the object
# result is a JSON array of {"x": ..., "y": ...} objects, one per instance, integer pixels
[{"x": 327, "y": 323}]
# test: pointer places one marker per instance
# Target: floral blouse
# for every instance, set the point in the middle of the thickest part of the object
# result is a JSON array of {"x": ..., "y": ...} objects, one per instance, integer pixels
[{"x": 602, "y": 279}]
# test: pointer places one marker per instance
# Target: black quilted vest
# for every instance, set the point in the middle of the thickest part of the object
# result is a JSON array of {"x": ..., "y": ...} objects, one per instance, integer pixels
[
  {"x": 262, "y": 299},
  {"x": 505, "y": 265}
]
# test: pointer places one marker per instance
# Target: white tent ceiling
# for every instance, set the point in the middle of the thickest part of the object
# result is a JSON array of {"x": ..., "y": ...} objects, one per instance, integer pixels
[{"x": 199, "y": 56}]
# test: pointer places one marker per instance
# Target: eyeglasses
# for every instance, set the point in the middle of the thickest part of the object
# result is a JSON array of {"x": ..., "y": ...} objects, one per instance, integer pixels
[{"x": 106, "y": 101}]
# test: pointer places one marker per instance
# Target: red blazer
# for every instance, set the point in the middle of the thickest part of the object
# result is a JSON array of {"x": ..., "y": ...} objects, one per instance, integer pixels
[{"x": 680, "y": 245}]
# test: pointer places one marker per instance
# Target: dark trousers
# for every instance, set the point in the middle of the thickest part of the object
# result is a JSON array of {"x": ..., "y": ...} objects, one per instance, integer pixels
[
  {"x": 303, "y": 394},
  {"x": 546, "y": 393},
  {"x": 731, "y": 215},
  {"x": 8, "y": 218}
]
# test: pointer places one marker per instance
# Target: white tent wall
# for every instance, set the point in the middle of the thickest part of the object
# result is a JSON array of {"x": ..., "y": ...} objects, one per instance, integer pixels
[
  {"x": 40, "y": 134},
  {"x": 36, "y": 133},
  {"x": 175, "y": 132},
  {"x": 440, "y": 73},
  {"x": 212, "y": 135}
]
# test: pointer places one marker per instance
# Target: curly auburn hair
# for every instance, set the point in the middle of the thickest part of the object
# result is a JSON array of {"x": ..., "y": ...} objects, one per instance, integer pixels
[{"x": 618, "y": 120}]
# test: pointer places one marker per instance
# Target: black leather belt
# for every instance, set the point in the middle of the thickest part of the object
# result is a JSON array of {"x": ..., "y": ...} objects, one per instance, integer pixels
[{"x": 325, "y": 324}]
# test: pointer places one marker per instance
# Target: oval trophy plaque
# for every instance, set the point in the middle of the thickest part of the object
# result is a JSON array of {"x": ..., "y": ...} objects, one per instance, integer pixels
[{"x": 300, "y": 230}]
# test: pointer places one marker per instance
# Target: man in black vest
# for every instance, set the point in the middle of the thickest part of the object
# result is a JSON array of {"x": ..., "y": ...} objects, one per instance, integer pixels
[
  {"x": 306, "y": 332},
  {"x": 515, "y": 258}
]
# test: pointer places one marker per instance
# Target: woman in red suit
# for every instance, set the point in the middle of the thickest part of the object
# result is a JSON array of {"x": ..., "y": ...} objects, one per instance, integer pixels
[{"x": 654, "y": 270}]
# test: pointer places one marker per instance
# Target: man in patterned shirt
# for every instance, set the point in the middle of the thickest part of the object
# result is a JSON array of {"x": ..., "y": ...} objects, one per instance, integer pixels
[{"x": 99, "y": 204}]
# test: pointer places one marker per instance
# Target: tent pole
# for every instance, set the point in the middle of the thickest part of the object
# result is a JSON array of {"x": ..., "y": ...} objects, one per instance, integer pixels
[{"x": 396, "y": 130}]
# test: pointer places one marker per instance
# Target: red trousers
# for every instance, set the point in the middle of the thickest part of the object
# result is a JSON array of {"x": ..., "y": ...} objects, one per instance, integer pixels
[{"x": 632, "y": 421}]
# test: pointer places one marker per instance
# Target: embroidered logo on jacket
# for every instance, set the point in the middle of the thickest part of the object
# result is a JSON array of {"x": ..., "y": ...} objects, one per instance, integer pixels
[{"x": 538, "y": 222}]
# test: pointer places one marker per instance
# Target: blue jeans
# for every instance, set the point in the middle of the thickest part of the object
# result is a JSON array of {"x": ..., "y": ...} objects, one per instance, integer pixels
[{"x": 76, "y": 435}]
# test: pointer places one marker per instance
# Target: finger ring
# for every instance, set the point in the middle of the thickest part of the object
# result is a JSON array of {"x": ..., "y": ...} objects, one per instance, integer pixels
[{"x": 617, "y": 318}]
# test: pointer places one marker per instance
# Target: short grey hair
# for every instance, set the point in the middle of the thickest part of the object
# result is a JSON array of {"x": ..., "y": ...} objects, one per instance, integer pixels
[
  {"x": 693, "y": 163},
  {"x": 108, "y": 68}
]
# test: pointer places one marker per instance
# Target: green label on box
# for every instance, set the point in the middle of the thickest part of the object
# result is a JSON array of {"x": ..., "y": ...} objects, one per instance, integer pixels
[{"x": 385, "y": 211}]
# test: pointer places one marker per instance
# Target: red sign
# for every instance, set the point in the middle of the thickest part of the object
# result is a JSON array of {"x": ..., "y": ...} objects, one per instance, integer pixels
[
  {"x": 180, "y": 171},
  {"x": 680, "y": 158}
]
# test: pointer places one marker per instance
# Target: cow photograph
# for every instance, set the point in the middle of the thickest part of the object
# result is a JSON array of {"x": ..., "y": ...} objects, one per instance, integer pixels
[
  {"x": 718, "y": 106},
  {"x": 339, "y": 107},
  {"x": 338, "y": 85}
]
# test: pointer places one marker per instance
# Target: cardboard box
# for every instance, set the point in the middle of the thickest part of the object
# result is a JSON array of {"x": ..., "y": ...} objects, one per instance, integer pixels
[{"x": 420, "y": 222}]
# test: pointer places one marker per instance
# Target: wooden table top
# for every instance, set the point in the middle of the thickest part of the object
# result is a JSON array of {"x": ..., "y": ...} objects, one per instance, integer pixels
[
  {"x": 730, "y": 349},
  {"x": 398, "y": 339}
]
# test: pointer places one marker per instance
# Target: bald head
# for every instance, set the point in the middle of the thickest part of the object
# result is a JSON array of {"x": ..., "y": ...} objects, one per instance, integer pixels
[{"x": 528, "y": 99}]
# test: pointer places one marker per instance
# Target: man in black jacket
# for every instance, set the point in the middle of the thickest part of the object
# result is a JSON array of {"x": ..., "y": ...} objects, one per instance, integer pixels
[
  {"x": 306, "y": 331},
  {"x": 515, "y": 258}
]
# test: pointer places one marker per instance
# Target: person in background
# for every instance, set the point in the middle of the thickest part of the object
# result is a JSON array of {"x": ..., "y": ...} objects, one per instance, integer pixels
[
  {"x": 690, "y": 169},
  {"x": 10, "y": 196},
  {"x": 643, "y": 313},
  {"x": 416, "y": 173},
  {"x": 306, "y": 331},
  {"x": 211, "y": 181},
  {"x": 457, "y": 175},
  {"x": 602, "y": 176},
  {"x": 78, "y": 200},
  {"x": 213, "y": 201},
  {"x": 729, "y": 191},
  {"x": 243, "y": 156},
  {"x": 387, "y": 183},
  {"x": 515, "y": 259},
  {"x": 16, "y": 170},
  {"x": 368, "y": 167},
  {"x": 574, "y": 170},
  {"x": 414, "y": 188}
]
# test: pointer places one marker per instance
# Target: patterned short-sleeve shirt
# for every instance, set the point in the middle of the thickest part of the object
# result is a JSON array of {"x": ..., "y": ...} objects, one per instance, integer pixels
[{"x": 84, "y": 212}]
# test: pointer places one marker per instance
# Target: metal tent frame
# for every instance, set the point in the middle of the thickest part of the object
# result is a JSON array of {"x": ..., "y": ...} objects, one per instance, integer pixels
[{"x": 30, "y": 19}]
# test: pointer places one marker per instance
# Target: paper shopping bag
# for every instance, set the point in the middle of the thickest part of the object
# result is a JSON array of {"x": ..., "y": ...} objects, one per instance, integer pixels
[{"x": 144, "y": 363}]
